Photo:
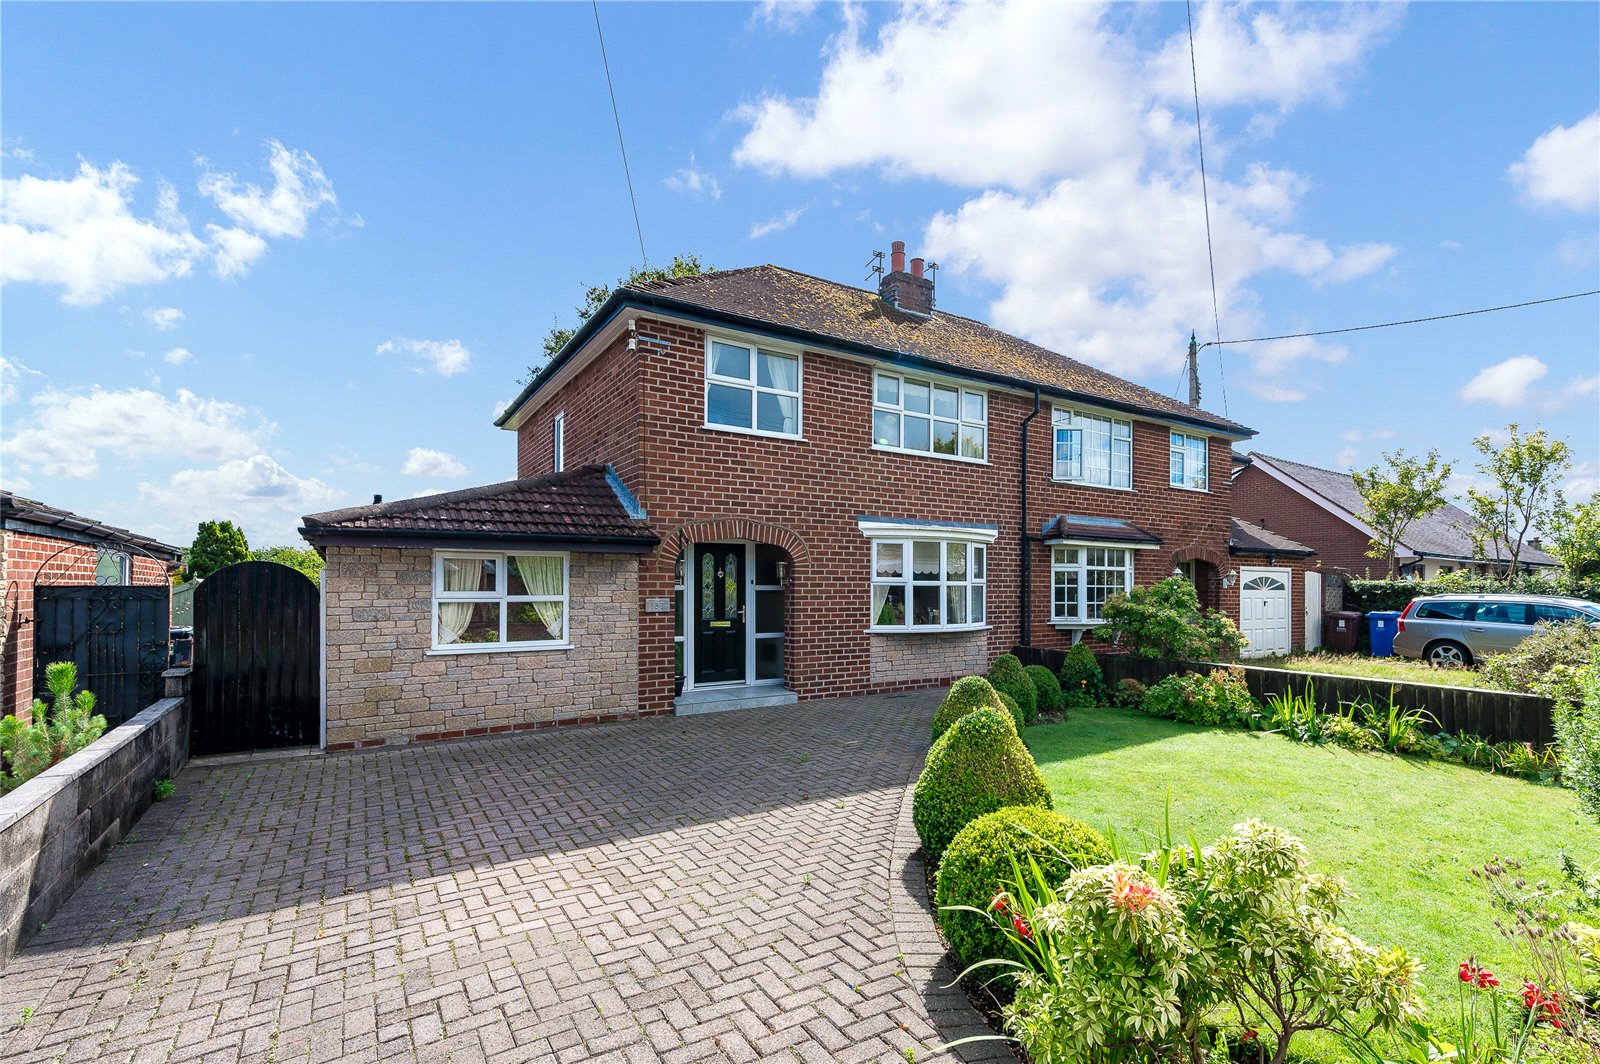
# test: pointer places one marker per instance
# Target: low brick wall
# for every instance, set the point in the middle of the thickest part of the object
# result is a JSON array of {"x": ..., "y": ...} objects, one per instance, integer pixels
[{"x": 55, "y": 828}]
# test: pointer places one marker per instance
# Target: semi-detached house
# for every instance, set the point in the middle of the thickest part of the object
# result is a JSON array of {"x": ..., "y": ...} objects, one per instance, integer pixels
[{"x": 755, "y": 486}]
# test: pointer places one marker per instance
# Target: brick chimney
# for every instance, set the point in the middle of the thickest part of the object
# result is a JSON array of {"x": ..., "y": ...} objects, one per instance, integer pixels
[{"x": 909, "y": 290}]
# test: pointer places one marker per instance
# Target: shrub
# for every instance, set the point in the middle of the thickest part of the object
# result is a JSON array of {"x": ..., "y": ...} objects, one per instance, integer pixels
[
  {"x": 976, "y": 767},
  {"x": 1015, "y": 711},
  {"x": 978, "y": 864},
  {"x": 965, "y": 695},
  {"x": 1165, "y": 620},
  {"x": 1218, "y": 698},
  {"x": 1082, "y": 682},
  {"x": 28, "y": 749},
  {"x": 1577, "y": 724},
  {"x": 1008, "y": 678},
  {"x": 1540, "y": 662},
  {"x": 1129, "y": 694},
  {"x": 1047, "y": 687}
]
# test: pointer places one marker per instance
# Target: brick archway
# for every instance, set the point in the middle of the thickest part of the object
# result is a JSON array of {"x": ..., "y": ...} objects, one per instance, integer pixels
[
  {"x": 1215, "y": 557},
  {"x": 683, "y": 537}
]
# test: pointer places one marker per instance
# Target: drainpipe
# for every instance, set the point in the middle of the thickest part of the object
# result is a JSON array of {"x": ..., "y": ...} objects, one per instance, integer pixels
[{"x": 1026, "y": 569}]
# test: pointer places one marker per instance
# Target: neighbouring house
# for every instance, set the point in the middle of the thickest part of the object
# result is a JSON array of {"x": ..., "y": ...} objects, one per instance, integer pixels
[
  {"x": 45, "y": 547},
  {"x": 756, "y": 486},
  {"x": 1321, "y": 508}
]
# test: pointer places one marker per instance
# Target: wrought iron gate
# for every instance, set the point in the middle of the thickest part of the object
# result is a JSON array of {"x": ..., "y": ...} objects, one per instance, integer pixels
[
  {"x": 257, "y": 655},
  {"x": 117, "y": 636}
]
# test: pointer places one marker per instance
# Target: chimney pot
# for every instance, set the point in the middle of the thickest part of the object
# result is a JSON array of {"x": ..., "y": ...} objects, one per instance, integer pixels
[
  {"x": 916, "y": 267},
  {"x": 897, "y": 256},
  {"x": 376, "y": 499}
]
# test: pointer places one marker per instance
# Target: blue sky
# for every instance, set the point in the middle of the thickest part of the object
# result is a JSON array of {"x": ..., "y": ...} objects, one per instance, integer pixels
[{"x": 262, "y": 260}]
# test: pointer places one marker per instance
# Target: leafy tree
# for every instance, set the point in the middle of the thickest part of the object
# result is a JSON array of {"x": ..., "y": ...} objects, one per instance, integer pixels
[
  {"x": 1522, "y": 495},
  {"x": 1165, "y": 620},
  {"x": 1575, "y": 537},
  {"x": 1407, "y": 491},
  {"x": 595, "y": 296},
  {"x": 304, "y": 559},
  {"x": 216, "y": 544}
]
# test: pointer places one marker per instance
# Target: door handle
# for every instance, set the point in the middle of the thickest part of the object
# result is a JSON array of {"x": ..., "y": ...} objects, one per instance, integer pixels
[{"x": 1474, "y": 629}]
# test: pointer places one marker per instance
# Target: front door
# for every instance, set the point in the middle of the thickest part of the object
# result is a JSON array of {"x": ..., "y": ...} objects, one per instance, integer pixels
[{"x": 718, "y": 578}]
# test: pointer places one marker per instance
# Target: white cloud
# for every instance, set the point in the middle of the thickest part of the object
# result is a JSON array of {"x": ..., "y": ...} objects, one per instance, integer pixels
[
  {"x": 255, "y": 492},
  {"x": 165, "y": 319},
  {"x": 1505, "y": 383},
  {"x": 12, "y": 371},
  {"x": 1562, "y": 168},
  {"x": 1077, "y": 139},
  {"x": 1368, "y": 435},
  {"x": 1277, "y": 393},
  {"x": 177, "y": 356},
  {"x": 1345, "y": 459},
  {"x": 67, "y": 431},
  {"x": 299, "y": 190},
  {"x": 783, "y": 221},
  {"x": 1452, "y": 245},
  {"x": 445, "y": 357},
  {"x": 701, "y": 184},
  {"x": 422, "y": 462},
  {"x": 786, "y": 15},
  {"x": 1583, "y": 482},
  {"x": 234, "y": 251}
]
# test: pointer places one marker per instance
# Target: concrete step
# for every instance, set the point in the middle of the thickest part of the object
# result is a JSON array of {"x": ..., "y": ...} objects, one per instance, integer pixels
[{"x": 721, "y": 699}]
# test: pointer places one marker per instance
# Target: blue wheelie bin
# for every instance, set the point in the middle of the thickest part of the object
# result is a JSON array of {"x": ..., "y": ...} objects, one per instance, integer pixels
[{"x": 1381, "y": 627}]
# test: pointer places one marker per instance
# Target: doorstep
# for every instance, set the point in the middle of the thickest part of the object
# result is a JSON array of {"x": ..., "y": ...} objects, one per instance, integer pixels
[{"x": 720, "y": 699}]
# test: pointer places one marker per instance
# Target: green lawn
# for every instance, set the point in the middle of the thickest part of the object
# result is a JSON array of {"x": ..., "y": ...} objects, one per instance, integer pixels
[
  {"x": 1406, "y": 834},
  {"x": 1403, "y": 669}
]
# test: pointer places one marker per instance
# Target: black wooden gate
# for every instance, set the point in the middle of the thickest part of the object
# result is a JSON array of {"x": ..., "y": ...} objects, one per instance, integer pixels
[
  {"x": 257, "y": 660},
  {"x": 117, "y": 636}
]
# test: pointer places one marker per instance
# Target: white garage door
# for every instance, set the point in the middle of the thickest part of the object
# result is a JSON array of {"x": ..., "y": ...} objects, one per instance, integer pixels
[{"x": 1264, "y": 610}]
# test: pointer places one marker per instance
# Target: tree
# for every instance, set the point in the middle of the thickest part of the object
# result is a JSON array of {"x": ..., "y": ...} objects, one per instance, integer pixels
[
  {"x": 1575, "y": 537},
  {"x": 1407, "y": 491},
  {"x": 596, "y": 295},
  {"x": 304, "y": 559},
  {"x": 1522, "y": 494},
  {"x": 216, "y": 543}
]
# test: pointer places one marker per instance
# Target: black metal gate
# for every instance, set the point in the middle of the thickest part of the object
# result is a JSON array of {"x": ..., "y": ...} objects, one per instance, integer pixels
[
  {"x": 117, "y": 636},
  {"x": 257, "y": 660}
]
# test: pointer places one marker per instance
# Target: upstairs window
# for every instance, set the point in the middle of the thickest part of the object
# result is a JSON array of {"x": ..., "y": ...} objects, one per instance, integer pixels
[
  {"x": 1090, "y": 449},
  {"x": 558, "y": 443},
  {"x": 929, "y": 417},
  {"x": 1189, "y": 460},
  {"x": 752, "y": 389}
]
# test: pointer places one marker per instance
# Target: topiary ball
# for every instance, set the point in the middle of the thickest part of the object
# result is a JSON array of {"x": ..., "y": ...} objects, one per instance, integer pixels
[
  {"x": 1013, "y": 709},
  {"x": 1008, "y": 678},
  {"x": 976, "y": 767},
  {"x": 977, "y": 864},
  {"x": 1046, "y": 686},
  {"x": 1082, "y": 683},
  {"x": 965, "y": 695}
]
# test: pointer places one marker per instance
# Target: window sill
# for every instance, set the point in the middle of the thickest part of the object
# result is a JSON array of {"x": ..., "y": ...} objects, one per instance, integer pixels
[
  {"x": 496, "y": 648},
  {"x": 793, "y": 437},
  {"x": 929, "y": 629},
  {"x": 1185, "y": 487},
  {"x": 1069, "y": 625},
  {"x": 929, "y": 454},
  {"x": 1086, "y": 484}
]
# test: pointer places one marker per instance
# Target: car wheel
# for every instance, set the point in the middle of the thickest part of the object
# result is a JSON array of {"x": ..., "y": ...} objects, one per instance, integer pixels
[{"x": 1448, "y": 656}]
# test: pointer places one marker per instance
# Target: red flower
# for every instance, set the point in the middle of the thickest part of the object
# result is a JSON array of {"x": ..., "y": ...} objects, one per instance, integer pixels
[
  {"x": 1249, "y": 1035},
  {"x": 1128, "y": 894},
  {"x": 1467, "y": 972},
  {"x": 998, "y": 903},
  {"x": 1024, "y": 932},
  {"x": 1530, "y": 995},
  {"x": 1486, "y": 980}
]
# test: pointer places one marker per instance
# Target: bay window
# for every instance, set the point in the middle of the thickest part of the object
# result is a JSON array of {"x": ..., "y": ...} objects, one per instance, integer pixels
[
  {"x": 752, "y": 389},
  {"x": 928, "y": 583},
  {"x": 491, "y": 601},
  {"x": 928, "y": 416},
  {"x": 1189, "y": 461},
  {"x": 1090, "y": 449},
  {"x": 1083, "y": 577}
]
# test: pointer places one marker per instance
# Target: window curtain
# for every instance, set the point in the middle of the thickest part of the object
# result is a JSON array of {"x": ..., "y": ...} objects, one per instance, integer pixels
[
  {"x": 459, "y": 575},
  {"x": 543, "y": 576},
  {"x": 780, "y": 372}
]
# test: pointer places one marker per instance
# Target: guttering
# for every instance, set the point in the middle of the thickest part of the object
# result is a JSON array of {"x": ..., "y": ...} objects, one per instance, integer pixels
[
  {"x": 1025, "y": 583},
  {"x": 466, "y": 538},
  {"x": 624, "y": 299}
]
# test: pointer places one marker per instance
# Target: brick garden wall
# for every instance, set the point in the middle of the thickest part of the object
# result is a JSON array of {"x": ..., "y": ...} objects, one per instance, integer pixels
[
  {"x": 384, "y": 687},
  {"x": 1261, "y": 500},
  {"x": 27, "y": 560},
  {"x": 917, "y": 660}
]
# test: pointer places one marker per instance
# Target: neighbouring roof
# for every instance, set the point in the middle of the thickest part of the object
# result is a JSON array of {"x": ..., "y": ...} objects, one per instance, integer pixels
[
  {"x": 1445, "y": 533},
  {"x": 1106, "y": 529},
  {"x": 844, "y": 316},
  {"x": 31, "y": 515},
  {"x": 586, "y": 505},
  {"x": 1245, "y": 538}
]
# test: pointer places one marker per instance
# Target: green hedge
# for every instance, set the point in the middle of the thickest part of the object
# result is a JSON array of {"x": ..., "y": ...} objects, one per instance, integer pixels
[
  {"x": 1369, "y": 595},
  {"x": 976, "y": 767}
]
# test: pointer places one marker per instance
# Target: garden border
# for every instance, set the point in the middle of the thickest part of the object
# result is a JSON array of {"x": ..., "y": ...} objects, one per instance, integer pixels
[{"x": 1499, "y": 716}]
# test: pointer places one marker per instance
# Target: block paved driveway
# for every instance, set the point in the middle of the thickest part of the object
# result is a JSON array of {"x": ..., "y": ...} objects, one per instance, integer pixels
[{"x": 729, "y": 887}]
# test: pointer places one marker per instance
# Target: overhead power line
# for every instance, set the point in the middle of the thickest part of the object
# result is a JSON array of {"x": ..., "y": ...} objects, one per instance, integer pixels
[
  {"x": 1408, "y": 321},
  {"x": 1205, "y": 194},
  {"x": 626, "y": 172}
]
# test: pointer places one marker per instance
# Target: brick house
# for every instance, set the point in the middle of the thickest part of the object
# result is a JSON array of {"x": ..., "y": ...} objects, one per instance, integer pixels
[
  {"x": 41, "y": 545},
  {"x": 809, "y": 490},
  {"x": 1321, "y": 509}
]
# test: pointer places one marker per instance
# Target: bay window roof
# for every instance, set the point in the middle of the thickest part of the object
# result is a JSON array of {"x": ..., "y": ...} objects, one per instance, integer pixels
[{"x": 1073, "y": 528}]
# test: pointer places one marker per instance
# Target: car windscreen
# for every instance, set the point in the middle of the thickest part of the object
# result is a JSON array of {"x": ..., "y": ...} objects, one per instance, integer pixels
[{"x": 1444, "y": 611}]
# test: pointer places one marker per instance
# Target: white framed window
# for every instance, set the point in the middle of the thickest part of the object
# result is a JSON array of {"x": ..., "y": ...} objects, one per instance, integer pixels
[
  {"x": 920, "y": 584},
  {"x": 558, "y": 443},
  {"x": 491, "y": 601},
  {"x": 1083, "y": 577},
  {"x": 929, "y": 417},
  {"x": 1189, "y": 461},
  {"x": 112, "y": 568},
  {"x": 1091, "y": 449},
  {"x": 752, "y": 389}
]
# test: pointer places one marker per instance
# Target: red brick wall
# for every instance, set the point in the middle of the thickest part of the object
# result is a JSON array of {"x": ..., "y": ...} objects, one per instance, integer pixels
[
  {"x": 1261, "y": 500},
  {"x": 806, "y": 496},
  {"x": 601, "y": 405},
  {"x": 31, "y": 560}
]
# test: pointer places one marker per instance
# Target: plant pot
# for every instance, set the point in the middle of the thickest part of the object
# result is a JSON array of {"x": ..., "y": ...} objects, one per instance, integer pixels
[{"x": 677, "y": 686}]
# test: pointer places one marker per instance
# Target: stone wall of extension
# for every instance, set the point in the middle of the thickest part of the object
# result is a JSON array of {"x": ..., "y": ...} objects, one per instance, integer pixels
[
  {"x": 922, "y": 659},
  {"x": 386, "y": 686},
  {"x": 55, "y": 828}
]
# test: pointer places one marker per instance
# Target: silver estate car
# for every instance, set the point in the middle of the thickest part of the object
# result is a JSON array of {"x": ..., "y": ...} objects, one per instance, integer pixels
[{"x": 1458, "y": 630}]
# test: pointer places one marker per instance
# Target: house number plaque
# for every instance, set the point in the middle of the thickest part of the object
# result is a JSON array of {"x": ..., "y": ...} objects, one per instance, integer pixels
[{"x": 658, "y": 605}]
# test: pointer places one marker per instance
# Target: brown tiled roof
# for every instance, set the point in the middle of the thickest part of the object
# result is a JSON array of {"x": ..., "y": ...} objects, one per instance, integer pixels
[
  {"x": 583, "y": 504},
  {"x": 44, "y": 519},
  {"x": 1245, "y": 538},
  {"x": 1110, "y": 529},
  {"x": 776, "y": 296}
]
